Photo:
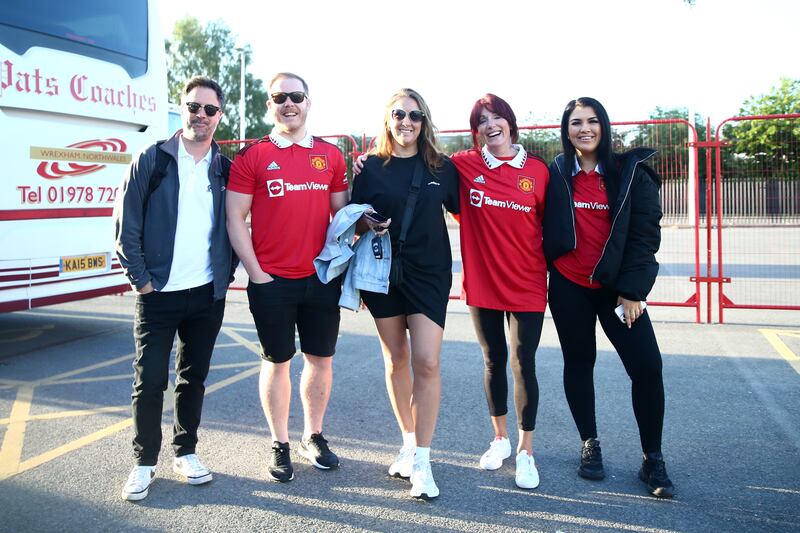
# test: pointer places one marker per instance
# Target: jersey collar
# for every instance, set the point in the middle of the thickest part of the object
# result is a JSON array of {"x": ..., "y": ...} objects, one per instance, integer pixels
[
  {"x": 577, "y": 168},
  {"x": 283, "y": 142},
  {"x": 492, "y": 162}
]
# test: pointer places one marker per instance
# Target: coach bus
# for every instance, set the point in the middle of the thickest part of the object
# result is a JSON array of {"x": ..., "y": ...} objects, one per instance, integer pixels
[{"x": 83, "y": 88}]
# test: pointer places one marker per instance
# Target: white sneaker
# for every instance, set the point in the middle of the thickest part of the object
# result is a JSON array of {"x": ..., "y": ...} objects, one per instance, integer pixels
[
  {"x": 138, "y": 484},
  {"x": 401, "y": 467},
  {"x": 499, "y": 449},
  {"x": 527, "y": 476},
  {"x": 423, "y": 486},
  {"x": 190, "y": 467}
]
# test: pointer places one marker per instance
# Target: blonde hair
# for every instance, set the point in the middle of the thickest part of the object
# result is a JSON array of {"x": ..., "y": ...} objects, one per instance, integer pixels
[{"x": 427, "y": 143}]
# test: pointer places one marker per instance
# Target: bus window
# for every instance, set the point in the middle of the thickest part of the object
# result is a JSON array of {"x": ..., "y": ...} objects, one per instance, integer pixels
[{"x": 112, "y": 31}]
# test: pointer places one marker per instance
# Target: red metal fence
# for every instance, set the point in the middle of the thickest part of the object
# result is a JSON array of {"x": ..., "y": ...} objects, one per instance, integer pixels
[
  {"x": 757, "y": 192},
  {"x": 734, "y": 196}
]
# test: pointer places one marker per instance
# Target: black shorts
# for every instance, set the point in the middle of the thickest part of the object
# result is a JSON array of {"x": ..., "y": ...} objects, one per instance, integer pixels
[
  {"x": 282, "y": 304},
  {"x": 399, "y": 302}
]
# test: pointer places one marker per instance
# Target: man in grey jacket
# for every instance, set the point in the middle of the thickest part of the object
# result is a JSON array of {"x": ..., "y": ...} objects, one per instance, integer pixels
[{"x": 172, "y": 242}]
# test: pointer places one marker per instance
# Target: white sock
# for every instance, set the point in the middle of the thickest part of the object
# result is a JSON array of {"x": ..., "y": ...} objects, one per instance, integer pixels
[
  {"x": 422, "y": 455},
  {"x": 409, "y": 440}
]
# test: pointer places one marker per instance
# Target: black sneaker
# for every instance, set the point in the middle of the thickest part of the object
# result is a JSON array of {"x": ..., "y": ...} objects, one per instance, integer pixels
[
  {"x": 316, "y": 450},
  {"x": 591, "y": 460},
  {"x": 280, "y": 468},
  {"x": 654, "y": 475}
]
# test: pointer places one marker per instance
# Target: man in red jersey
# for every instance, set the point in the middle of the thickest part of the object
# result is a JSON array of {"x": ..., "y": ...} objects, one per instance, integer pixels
[{"x": 291, "y": 184}]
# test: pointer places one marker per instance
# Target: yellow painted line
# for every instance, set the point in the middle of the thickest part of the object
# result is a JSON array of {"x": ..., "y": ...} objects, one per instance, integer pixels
[
  {"x": 128, "y": 320},
  {"x": 116, "y": 409},
  {"x": 233, "y": 379},
  {"x": 226, "y": 329},
  {"x": 231, "y": 332},
  {"x": 69, "y": 414},
  {"x": 18, "y": 413},
  {"x": 129, "y": 376},
  {"x": 11, "y": 451},
  {"x": 71, "y": 446},
  {"x": 103, "y": 364},
  {"x": 773, "y": 336},
  {"x": 243, "y": 375},
  {"x": 25, "y": 334},
  {"x": 114, "y": 377}
]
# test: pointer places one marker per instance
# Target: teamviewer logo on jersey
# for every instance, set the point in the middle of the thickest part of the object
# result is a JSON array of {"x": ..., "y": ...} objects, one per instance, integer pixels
[
  {"x": 475, "y": 197},
  {"x": 275, "y": 188}
]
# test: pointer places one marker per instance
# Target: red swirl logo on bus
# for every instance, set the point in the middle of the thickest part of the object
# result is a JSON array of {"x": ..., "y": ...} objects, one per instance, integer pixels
[{"x": 91, "y": 159}]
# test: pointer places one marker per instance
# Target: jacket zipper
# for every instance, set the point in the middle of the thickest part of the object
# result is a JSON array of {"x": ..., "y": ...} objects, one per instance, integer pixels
[
  {"x": 613, "y": 223},
  {"x": 570, "y": 203}
]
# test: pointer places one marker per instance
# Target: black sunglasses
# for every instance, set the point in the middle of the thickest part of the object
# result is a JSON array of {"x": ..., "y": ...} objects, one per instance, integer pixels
[
  {"x": 194, "y": 107},
  {"x": 415, "y": 116},
  {"x": 296, "y": 97}
]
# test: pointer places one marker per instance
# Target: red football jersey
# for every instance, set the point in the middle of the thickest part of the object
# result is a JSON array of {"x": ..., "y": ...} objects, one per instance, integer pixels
[
  {"x": 592, "y": 228},
  {"x": 291, "y": 185},
  {"x": 502, "y": 205}
]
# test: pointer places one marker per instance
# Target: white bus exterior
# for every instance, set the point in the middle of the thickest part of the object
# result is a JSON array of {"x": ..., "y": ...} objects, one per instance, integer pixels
[{"x": 82, "y": 90}]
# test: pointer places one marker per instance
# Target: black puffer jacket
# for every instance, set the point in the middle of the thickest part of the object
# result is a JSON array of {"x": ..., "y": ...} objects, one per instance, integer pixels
[{"x": 628, "y": 263}]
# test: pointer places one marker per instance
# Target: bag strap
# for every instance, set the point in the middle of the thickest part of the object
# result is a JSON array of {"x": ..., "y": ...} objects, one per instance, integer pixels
[
  {"x": 411, "y": 202},
  {"x": 160, "y": 171},
  {"x": 158, "y": 174}
]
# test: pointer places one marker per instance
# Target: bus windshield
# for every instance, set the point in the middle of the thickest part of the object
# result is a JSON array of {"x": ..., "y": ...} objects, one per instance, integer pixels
[{"x": 111, "y": 31}]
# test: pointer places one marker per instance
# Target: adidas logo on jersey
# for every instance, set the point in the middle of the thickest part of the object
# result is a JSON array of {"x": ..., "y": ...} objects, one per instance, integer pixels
[
  {"x": 273, "y": 166},
  {"x": 480, "y": 179}
]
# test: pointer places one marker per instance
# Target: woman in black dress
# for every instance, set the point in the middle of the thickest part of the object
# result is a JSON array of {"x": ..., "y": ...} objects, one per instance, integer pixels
[
  {"x": 419, "y": 303},
  {"x": 601, "y": 234}
]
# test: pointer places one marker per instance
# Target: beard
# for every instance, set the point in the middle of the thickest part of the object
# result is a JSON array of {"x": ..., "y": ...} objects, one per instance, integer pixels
[{"x": 201, "y": 133}]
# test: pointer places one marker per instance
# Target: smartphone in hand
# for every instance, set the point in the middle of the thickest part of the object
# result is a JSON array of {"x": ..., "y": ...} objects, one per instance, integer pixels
[
  {"x": 620, "y": 310},
  {"x": 375, "y": 217}
]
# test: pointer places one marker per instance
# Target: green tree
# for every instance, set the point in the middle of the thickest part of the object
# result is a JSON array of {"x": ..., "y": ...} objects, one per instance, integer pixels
[
  {"x": 211, "y": 51},
  {"x": 773, "y": 142}
]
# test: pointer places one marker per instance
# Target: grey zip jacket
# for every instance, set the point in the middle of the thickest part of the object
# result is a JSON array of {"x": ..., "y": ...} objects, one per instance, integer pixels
[{"x": 145, "y": 235}]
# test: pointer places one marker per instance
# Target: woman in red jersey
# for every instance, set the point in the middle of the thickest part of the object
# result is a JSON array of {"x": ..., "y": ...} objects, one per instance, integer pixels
[
  {"x": 502, "y": 194},
  {"x": 601, "y": 233}
]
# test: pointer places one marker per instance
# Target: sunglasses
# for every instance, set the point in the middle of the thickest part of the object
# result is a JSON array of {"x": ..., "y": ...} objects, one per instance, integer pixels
[
  {"x": 194, "y": 107},
  {"x": 296, "y": 97},
  {"x": 415, "y": 116}
]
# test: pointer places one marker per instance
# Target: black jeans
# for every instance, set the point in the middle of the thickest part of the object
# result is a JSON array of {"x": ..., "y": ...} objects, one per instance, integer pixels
[
  {"x": 525, "y": 330},
  {"x": 575, "y": 311},
  {"x": 196, "y": 318}
]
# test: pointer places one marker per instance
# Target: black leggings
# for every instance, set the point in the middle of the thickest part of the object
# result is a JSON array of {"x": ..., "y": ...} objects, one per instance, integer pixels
[
  {"x": 575, "y": 310},
  {"x": 525, "y": 330}
]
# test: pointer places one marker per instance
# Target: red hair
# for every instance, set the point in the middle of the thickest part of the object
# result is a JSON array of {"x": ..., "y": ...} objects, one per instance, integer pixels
[{"x": 495, "y": 104}]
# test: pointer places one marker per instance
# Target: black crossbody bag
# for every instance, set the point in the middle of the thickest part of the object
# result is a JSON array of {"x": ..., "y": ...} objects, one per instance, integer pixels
[{"x": 396, "y": 271}]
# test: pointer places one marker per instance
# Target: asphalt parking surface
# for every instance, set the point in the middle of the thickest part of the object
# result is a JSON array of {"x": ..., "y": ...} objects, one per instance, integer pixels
[{"x": 731, "y": 436}]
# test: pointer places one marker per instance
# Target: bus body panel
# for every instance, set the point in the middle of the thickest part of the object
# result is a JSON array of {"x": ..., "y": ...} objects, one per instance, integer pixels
[{"x": 69, "y": 126}]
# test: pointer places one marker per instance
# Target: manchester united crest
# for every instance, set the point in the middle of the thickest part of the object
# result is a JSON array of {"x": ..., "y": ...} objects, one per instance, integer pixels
[
  {"x": 319, "y": 162},
  {"x": 526, "y": 184}
]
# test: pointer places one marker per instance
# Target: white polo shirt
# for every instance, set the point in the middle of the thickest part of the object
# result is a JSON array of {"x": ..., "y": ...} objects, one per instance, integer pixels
[{"x": 191, "y": 256}]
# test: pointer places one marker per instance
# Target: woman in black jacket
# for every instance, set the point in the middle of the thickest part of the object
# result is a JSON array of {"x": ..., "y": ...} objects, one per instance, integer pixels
[{"x": 601, "y": 233}]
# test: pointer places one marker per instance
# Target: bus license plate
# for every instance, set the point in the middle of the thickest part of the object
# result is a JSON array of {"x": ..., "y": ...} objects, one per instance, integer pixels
[{"x": 82, "y": 263}]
